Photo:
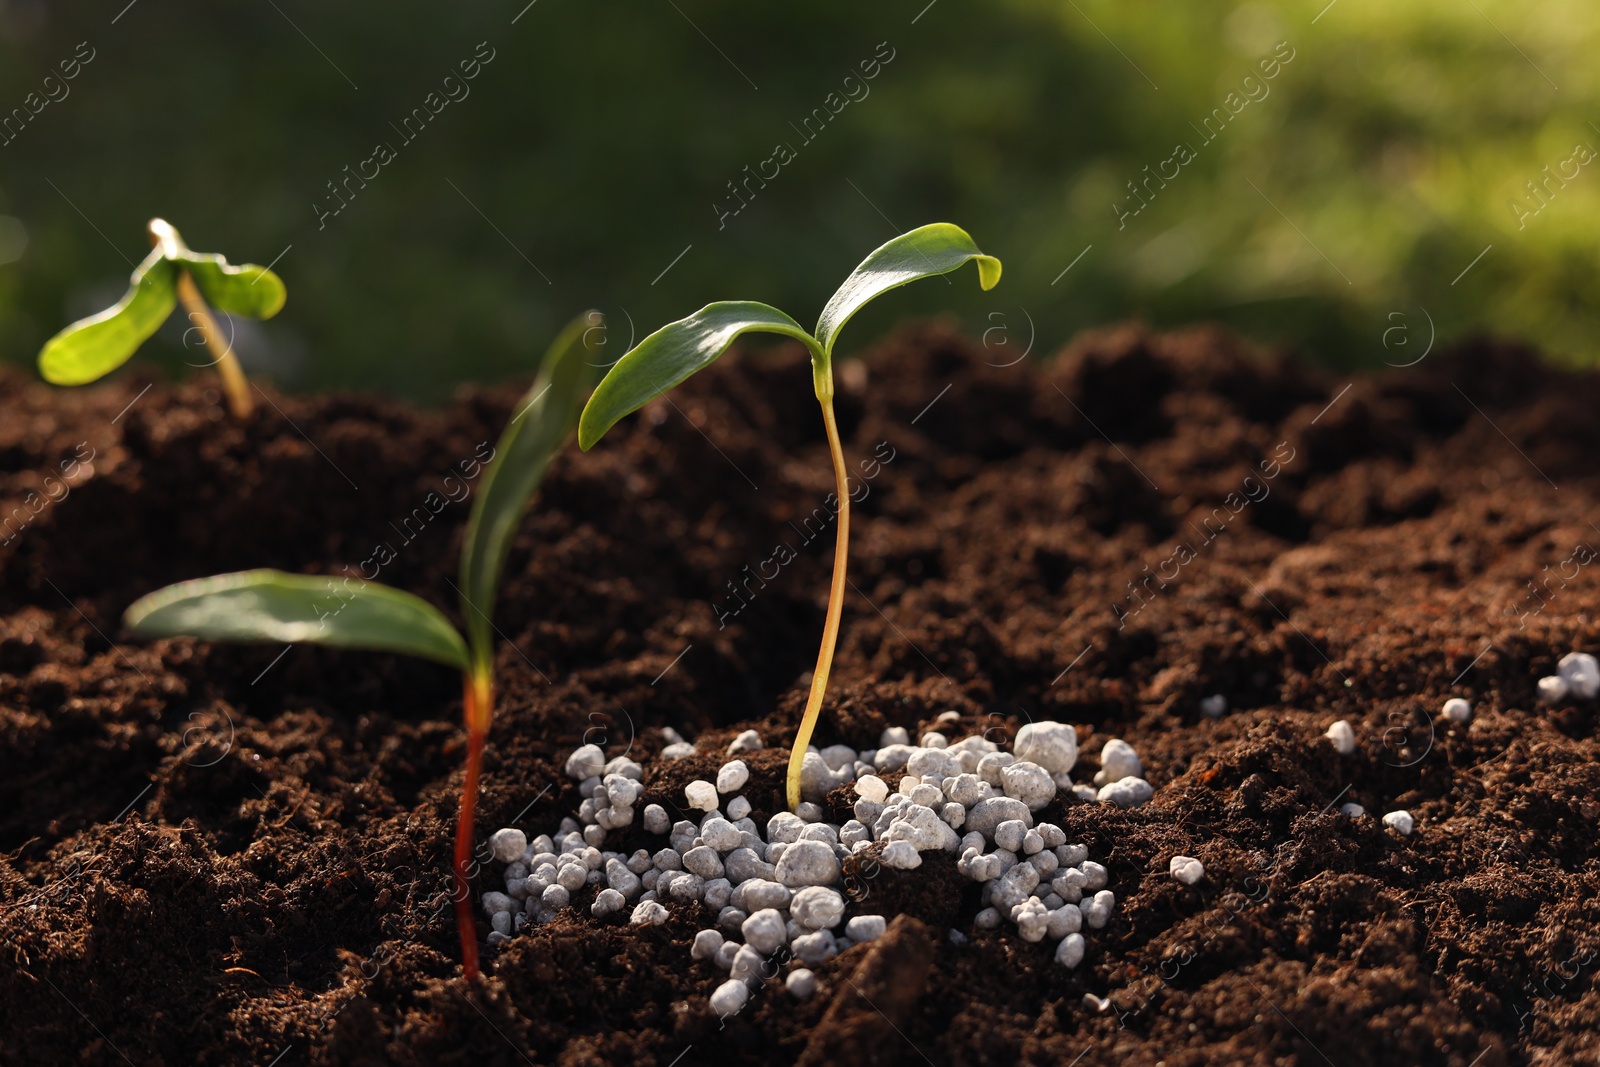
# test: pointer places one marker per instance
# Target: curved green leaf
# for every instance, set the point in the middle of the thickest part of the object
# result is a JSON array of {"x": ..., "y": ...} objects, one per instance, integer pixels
[
  {"x": 268, "y": 605},
  {"x": 672, "y": 354},
  {"x": 538, "y": 430},
  {"x": 937, "y": 248},
  {"x": 247, "y": 289},
  {"x": 93, "y": 347}
]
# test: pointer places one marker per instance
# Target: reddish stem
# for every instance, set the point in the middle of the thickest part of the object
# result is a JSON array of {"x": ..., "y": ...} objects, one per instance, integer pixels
[{"x": 477, "y": 698}]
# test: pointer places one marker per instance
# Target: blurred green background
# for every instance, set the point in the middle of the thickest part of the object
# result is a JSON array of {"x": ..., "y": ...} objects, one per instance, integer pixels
[{"x": 588, "y": 163}]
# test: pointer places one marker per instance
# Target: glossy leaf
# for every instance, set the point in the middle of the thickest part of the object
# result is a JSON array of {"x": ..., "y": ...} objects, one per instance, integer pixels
[
  {"x": 675, "y": 352},
  {"x": 540, "y": 428},
  {"x": 927, "y": 251},
  {"x": 248, "y": 290},
  {"x": 269, "y": 605},
  {"x": 93, "y": 347}
]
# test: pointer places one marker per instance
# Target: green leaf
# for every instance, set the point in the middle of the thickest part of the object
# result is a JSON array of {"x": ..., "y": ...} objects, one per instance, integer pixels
[
  {"x": 93, "y": 347},
  {"x": 673, "y": 353},
  {"x": 540, "y": 428},
  {"x": 268, "y": 605},
  {"x": 248, "y": 290},
  {"x": 937, "y": 248}
]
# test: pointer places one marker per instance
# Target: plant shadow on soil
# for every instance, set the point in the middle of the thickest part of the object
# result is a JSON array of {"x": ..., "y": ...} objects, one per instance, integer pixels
[{"x": 214, "y": 854}]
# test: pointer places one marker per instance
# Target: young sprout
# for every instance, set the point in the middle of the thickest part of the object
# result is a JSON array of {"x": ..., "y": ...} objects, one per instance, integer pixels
[
  {"x": 93, "y": 347},
  {"x": 269, "y": 605},
  {"x": 679, "y": 349}
]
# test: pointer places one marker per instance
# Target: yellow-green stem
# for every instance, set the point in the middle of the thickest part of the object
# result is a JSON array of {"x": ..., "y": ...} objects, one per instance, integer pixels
[
  {"x": 830, "y": 628},
  {"x": 234, "y": 384}
]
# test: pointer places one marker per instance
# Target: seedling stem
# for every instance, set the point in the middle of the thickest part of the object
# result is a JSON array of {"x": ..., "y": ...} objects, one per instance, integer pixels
[
  {"x": 830, "y": 626},
  {"x": 234, "y": 384},
  {"x": 477, "y": 703}
]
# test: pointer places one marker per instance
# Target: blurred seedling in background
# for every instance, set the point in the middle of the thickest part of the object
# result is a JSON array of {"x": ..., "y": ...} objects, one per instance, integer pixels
[
  {"x": 171, "y": 274},
  {"x": 679, "y": 349},
  {"x": 272, "y": 606}
]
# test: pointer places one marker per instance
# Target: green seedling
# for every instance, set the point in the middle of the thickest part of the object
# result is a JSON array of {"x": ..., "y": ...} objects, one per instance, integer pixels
[
  {"x": 679, "y": 349},
  {"x": 272, "y": 606},
  {"x": 171, "y": 274}
]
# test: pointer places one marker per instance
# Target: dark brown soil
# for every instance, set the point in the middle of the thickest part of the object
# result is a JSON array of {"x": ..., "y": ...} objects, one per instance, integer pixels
[{"x": 221, "y": 855}]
